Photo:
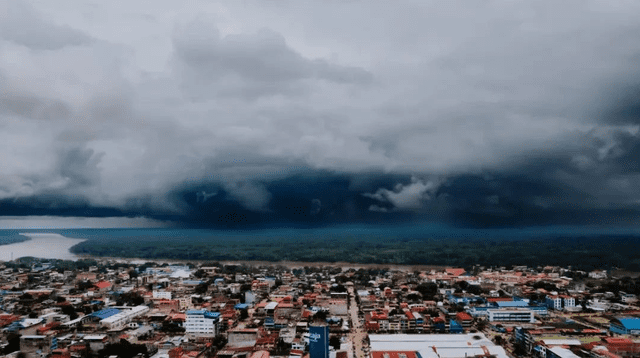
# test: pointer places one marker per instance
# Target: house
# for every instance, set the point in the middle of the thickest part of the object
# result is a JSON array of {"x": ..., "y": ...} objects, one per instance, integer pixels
[
  {"x": 464, "y": 319},
  {"x": 598, "y": 274}
]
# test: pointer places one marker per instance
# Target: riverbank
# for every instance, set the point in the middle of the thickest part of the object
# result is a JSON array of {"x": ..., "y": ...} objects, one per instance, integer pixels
[
  {"x": 41, "y": 245},
  {"x": 287, "y": 264}
]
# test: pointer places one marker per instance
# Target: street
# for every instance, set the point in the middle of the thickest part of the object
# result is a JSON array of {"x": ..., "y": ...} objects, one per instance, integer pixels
[{"x": 357, "y": 333}]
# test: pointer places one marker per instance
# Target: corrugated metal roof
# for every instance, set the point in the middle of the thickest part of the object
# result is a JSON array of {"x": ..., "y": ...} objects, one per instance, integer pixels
[
  {"x": 512, "y": 304},
  {"x": 630, "y": 322},
  {"x": 105, "y": 313}
]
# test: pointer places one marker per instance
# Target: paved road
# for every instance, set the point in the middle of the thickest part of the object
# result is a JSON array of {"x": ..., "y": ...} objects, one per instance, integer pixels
[{"x": 357, "y": 334}]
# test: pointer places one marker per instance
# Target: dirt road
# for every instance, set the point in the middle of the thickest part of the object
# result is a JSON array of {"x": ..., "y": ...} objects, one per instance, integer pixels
[{"x": 357, "y": 334}]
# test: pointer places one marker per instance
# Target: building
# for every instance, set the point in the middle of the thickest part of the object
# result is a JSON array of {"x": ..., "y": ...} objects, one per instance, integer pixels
[
  {"x": 628, "y": 297},
  {"x": 126, "y": 315},
  {"x": 512, "y": 315},
  {"x": 568, "y": 301},
  {"x": 36, "y": 345},
  {"x": 560, "y": 352},
  {"x": 598, "y": 274},
  {"x": 96, "y": 342},
  {"x": 509, "y": 311},
  {"x": 625, "y": 325},
  {"x": 554, "y": 302},
  {"x": 244, "y": 337},
  {"x": 165, "y": 295},
  {"x": 434, "y": 345},
  {"x": 464, "y": 319},
  {"x": 201, "y": 322}
]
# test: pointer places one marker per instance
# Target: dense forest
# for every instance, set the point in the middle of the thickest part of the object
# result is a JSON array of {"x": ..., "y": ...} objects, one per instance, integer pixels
[{"x": 580, "y": 252}]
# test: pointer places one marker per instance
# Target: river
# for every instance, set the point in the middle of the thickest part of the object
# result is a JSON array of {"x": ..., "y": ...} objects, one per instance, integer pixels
[{"x": 43, "y": 245}]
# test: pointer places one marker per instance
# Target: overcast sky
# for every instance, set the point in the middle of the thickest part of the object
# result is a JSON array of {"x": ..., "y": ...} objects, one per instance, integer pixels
[{"x": 275, "y": 113}]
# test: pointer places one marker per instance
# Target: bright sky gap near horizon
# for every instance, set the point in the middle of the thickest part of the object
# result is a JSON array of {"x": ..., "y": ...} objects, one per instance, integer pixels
[{"x": 270, "y": 114}]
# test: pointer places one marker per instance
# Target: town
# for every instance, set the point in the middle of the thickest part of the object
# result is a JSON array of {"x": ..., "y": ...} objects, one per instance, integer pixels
[{"x": 124, "y": 308}]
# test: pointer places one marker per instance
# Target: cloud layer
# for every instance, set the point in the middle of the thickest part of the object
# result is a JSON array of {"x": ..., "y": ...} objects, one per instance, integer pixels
[{"x": 505, "y": 113}]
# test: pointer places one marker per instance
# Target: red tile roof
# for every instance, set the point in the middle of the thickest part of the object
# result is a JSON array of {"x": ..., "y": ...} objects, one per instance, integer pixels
[
  {"x": 499, "y": 299},
  {"x": 455, "y": 271},
  {"x": 102, "y": 284},
  {"x": 464, "y": 316}
]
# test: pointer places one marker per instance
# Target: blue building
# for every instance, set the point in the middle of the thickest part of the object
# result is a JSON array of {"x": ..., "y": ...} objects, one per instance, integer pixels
[
  {"x": 625, "y": 325},
  {"x": 455, "y": 327}
]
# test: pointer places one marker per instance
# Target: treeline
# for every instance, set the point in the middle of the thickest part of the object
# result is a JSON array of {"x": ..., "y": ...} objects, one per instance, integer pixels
[
  {"x": 581, "y": 252},
  {"x": 11, "y": 237}
]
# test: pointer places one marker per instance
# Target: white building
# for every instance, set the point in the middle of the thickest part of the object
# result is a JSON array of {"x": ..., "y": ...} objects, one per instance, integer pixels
[
  {"x": 569, "y": 302},
  {"x": 165, "y": 295},
  {"x": 598, "y": 274},
  {"x": 513, "y": 315},
  {"x": 437, "y": 345},
  {"x": 554, "y": 302},
  {"x": 123, "y": 318},
  {"x": 201, "y": 322},
  {"x": 628, "y": 297}
]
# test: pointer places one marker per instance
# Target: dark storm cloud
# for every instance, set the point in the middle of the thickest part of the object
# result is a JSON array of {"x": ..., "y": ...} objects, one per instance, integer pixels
[
  {"x": 247, "y": 114},
  {"x": 311, "y": 198}
]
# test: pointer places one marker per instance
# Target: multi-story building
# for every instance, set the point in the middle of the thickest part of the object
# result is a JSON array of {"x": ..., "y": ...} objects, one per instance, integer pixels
[
  {"x": 165, "y": 295},
  {"x": 123, "y": 318},
  {"x": 512, "y": 315},
  {"x": 559, "y": 302},
  {"x": 554, "y": 302},
  {"x": 568, "y": 301},
  {"x": 201, "y": 322}
]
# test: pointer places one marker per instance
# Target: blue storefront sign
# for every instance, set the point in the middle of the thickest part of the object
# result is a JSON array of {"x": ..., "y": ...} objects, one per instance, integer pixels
[{"x": 319, "y": 341}]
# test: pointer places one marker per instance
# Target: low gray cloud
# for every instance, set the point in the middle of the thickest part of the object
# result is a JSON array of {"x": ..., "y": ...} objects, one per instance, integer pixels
[
  {"x": 22, "y": 25},
  {"x": 405, "y": 197},
  {"x": 249, "y": 65}
]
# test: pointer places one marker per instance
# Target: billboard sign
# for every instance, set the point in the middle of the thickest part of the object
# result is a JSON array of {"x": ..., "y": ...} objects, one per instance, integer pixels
[{"x": 319, "y": 341}]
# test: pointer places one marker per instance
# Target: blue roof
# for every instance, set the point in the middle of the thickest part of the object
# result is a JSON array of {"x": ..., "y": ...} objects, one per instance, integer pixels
[
  {"x": 205, "y": 313},
  {"x": 630, "y": 323},
  {"x": 455, "y": 326},
  {"x": 241, "y": 306},
  {"x": 105, "y": 313},
  {"x": 512, "y": 304}
]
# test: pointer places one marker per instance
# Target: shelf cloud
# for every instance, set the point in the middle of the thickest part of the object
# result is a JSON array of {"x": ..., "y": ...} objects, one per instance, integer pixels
[{"x": 506, "y": 113}]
